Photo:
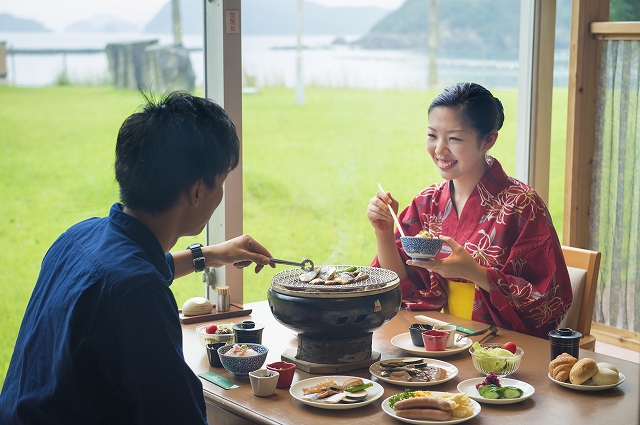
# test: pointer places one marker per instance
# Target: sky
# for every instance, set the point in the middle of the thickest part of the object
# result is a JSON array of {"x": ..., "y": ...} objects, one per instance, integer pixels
[{"x": 57, "y": 14}]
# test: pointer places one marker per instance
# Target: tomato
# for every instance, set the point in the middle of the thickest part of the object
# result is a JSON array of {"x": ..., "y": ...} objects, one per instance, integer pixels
[
  {"x": 511, "y": 346},
  {"x": 211, "y": 329}
]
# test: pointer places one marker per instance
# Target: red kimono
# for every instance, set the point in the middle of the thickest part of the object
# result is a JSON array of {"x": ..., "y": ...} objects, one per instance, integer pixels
[{"x": 507, "y": 229}]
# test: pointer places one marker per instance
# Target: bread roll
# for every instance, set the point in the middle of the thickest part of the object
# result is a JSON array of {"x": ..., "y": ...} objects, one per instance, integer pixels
[
  {"x": 560, "y": 367},
  {"x": 607, "y": 374},
  {"x": 583, "y": 370},
  {"x": 608, "y": 366}
]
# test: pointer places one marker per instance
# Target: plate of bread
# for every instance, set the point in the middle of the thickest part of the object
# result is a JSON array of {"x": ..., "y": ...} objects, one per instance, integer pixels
[{"x": 584, "y": 374}]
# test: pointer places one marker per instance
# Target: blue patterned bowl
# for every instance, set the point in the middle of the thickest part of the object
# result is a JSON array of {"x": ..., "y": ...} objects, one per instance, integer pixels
[
  {"x": 419, "y": 248},
  {"x": 241, "y": 366}
]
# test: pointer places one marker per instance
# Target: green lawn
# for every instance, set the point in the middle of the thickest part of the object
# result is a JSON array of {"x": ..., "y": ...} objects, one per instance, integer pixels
[{"x": 309, "y": 172}]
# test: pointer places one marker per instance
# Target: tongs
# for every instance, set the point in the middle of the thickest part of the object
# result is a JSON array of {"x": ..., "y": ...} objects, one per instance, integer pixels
[
  {"x": 493, "y": 329},
  {"x": 305, "y": 264}
]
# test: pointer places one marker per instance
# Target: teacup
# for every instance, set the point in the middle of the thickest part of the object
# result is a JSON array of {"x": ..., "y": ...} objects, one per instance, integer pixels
[
  {"x": 435, "y": 340},
  {"x": 263, "y": 382},
  {"x": 286, "y": 371},
  {"x": 416, "y": 330},
  {"x": 452, "y": 333}
]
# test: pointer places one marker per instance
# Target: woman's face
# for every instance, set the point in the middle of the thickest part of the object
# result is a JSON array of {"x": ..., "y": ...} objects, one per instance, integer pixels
[{"x": 455, "y": 147}]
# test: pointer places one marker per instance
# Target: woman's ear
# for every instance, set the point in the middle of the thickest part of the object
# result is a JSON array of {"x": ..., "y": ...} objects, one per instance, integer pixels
[{"x": 489, "y": 140}]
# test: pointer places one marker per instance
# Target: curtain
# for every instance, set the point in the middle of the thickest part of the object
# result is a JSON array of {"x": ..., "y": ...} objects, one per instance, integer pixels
[{"x": 615, "y": 198}]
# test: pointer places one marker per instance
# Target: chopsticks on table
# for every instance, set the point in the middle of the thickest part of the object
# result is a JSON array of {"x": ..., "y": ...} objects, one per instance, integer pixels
[
  {"x": 393, "y": 214},
  {"x": 489, "y": 336},
  {"x": 491, "y": 328}
]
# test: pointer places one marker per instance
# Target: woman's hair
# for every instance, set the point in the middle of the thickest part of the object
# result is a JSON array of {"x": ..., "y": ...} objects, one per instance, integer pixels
[
  {"x": 169, "y": 145},
  {"x": 478, "y": 106}
]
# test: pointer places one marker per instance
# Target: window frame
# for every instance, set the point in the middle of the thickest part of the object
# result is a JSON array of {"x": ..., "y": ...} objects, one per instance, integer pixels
[{"x": 223, "y": 83}]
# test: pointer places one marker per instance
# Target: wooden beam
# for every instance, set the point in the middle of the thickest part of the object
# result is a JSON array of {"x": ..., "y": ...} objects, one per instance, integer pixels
[
  {"x": 584, "y": 71},
  {"x": 616, "y": 336},
  {"x": 615, "y": 30},
  {"x": 542, "y": 97}
]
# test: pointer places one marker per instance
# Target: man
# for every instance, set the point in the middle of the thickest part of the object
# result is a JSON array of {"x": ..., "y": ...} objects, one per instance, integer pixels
[{"x": 100, "y": 341}]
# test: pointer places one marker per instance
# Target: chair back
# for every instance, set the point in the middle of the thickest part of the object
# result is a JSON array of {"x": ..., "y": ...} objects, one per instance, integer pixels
[{"x": 583, "y": 266}]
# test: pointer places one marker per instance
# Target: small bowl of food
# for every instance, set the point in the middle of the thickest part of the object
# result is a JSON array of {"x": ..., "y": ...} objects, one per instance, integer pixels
[
  {"x": 415, "y": 331},
  {"x": 212, "y": 333},
  {"x": 492, "y": 358},
  {"x": 242, "y": 359},
  {"x": 421, "y": 246}
]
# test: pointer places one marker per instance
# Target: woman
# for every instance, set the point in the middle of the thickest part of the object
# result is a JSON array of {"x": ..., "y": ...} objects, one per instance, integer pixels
[{"x": 500, "y": 245}]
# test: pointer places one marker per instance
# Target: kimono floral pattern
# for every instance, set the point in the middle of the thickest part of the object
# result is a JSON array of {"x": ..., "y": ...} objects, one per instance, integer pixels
[{"x": 506, "y": 228}]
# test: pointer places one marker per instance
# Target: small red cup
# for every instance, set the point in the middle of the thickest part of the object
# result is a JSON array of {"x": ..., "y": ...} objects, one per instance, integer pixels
[
  {"x": 435, "y": 340},
  {"x": 286, "y": 371}
]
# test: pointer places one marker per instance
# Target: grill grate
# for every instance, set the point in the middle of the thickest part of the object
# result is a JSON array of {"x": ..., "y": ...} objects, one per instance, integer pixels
[{"x": 287, "y": 282}]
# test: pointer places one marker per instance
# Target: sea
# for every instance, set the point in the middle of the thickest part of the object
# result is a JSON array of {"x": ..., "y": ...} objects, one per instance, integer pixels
[{"x": 266, "y": 61}]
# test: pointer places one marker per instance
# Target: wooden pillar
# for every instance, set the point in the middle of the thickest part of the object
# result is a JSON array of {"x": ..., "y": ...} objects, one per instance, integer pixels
[{"x": 584, "y": 72}]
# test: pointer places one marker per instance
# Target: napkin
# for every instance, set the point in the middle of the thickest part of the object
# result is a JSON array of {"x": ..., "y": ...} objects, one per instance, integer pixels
[
  {"x": 218, "y": 380},
  {"x": 436, "y": 322}
]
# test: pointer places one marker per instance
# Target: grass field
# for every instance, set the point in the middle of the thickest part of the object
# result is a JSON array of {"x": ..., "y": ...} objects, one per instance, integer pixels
[{"x": 309, "y": 172}]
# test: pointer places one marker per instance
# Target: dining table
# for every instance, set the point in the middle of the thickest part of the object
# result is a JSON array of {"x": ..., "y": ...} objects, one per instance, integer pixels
[{"x": 550, "y": 403}]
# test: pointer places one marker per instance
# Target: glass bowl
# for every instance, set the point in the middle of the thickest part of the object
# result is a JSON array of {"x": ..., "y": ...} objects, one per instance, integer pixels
[{"x": 500, "y": 365}]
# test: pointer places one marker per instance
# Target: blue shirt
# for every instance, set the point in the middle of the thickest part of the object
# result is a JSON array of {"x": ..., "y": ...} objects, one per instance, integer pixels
[{"x": 101, "y": 341}]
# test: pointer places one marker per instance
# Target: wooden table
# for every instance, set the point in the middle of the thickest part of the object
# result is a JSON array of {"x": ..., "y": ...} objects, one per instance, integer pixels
[{"x": 551, "y": 403}]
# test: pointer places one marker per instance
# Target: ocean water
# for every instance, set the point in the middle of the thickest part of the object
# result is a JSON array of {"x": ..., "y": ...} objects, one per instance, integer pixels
[{"x": 267, "y": 61}]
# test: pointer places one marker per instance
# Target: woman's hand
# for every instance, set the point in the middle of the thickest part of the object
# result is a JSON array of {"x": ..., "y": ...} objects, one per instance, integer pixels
[
  {"x": 459, "y": 265},
  {"x": 241, "y": 251},
  {"x": 378, "y": 212}
]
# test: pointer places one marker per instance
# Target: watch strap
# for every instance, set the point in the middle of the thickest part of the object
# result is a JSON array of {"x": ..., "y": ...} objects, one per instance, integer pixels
[{"x": 198, "y": 257}]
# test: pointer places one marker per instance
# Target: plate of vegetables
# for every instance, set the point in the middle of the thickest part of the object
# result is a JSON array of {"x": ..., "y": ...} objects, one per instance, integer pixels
[{"x": 494, "y": 390}]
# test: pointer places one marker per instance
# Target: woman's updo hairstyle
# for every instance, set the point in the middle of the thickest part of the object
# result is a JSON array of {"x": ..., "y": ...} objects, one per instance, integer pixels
[{"x": 481, "y": 109}]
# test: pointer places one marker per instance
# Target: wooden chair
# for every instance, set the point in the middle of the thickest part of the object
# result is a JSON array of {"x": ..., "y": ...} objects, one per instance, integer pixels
[{"x": 583, "y": 266}]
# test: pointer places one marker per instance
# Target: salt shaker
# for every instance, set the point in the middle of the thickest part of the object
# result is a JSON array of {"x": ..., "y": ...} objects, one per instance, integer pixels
[{"x": 223, "y": 302}]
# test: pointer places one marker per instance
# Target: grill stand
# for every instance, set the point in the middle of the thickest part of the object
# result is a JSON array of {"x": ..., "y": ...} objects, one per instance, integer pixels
[{"x": 320, "y": 355}]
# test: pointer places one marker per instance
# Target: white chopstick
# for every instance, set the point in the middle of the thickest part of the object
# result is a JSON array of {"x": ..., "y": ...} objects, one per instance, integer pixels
[{"x": 393, "y": 213}]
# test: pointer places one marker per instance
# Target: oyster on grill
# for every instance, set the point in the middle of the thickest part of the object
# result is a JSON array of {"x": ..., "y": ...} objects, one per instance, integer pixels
[{"x": 309, "y": 276}]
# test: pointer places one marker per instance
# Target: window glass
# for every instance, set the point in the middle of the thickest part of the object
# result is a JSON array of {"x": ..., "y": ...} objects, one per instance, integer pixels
[
  {"x": 60, "y": 110},
  {"x": 311, "y": 167}
]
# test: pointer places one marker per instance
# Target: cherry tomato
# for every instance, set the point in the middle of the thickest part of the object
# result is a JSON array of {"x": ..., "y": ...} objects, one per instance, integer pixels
[
  {"x": 511, "y": 346},
  {"x": 211, "y": 329}
]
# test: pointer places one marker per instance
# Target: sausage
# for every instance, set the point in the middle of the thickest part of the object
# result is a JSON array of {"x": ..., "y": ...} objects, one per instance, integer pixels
[
  {"x": 424, "y": 414},
  {"x": 423, "y": 403}
]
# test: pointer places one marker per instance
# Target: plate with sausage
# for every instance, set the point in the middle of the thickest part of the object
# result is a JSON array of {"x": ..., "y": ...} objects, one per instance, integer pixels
[
  {"x": 431, "y": 407},
  {"x": 413, "y": 372},
  {"x": 403, "y": 341},
  {"x": 469, "y": 387}
]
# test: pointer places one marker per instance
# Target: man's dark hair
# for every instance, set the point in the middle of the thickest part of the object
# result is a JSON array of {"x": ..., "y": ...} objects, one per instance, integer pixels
[{"x": 170, "y": 144}]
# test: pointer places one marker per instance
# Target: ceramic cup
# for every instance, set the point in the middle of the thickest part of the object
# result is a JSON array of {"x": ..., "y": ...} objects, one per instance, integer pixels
[
  {"x": 435, "y": 340},
  {"x": 451, "y": 340},
  {"x": 415, "y": 331},
  {"x": 263, "y": 382},
  {"x": 286, "y": 371},
  {"x": 212, "y": 353}
]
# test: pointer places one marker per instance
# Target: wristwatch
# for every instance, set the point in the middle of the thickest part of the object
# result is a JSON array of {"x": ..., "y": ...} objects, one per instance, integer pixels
[{"x": 198, "y": 258}]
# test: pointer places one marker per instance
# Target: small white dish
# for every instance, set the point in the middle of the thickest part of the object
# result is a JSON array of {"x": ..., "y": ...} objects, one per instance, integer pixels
[
  {"x": 589, "y": 386},
  {"x": 452, "y": 371},
  {"x": 375, "y": 392},
  {"x": 386, "y": 408},
  {"x": 403, "y": 341},
  {"x": 469, "y": 388}
]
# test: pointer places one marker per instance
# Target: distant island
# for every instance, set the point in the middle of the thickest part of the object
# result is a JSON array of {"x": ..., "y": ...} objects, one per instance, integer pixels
[{"x": 10, "y": 23}]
